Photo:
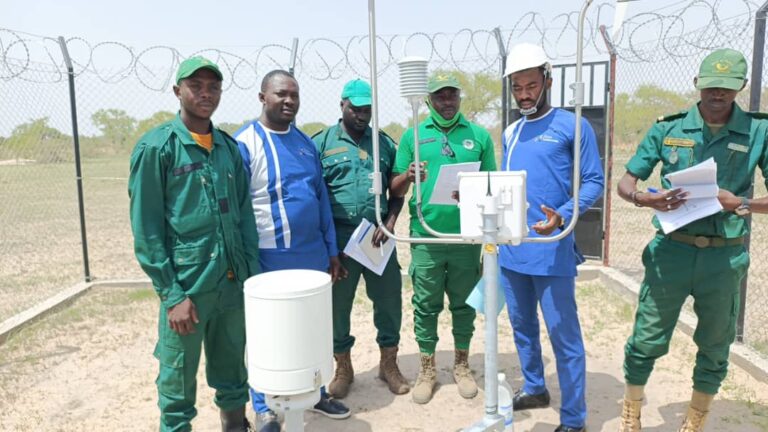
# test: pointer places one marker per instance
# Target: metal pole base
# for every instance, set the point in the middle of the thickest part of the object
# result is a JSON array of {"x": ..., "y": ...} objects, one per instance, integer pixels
[
  {"x": 493, "y": 423},
  {"x": 293, "y": 408}
]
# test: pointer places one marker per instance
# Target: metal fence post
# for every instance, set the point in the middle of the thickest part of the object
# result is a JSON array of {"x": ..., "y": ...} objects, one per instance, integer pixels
[
  {"x": 78, "y": 168},
  {"x": 502, "y": 65},
  {"x": 756, "y": 85},
  {"x": 609, "y": 151}
]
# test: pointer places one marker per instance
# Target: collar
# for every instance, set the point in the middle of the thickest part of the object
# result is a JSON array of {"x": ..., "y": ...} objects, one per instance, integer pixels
[
  {"x": 186, "y": 138},
  {"x": 429, "y": 122},
  {"x": 738, "y": 122},
  {"x": 342, "y": 134}
]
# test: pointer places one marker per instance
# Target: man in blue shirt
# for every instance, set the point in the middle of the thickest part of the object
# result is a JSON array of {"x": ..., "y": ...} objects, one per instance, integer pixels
[
  {"x": 541, "y": 143},
  {"x": 290, "y": 202}
]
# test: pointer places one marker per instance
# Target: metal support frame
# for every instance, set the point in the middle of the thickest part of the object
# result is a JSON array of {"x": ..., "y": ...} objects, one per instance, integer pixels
[
  {"x": 492, "y": 421},
  {"x": 78, "y": 167},
  {"x": 756, "y": 85}
]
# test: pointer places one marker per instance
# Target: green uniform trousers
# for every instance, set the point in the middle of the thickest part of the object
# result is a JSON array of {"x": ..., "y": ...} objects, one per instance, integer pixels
[
  {"x": 221, "y": 331},
  {"x": 673, "y": 271},
  {"x": 437, "y": 270},
  {"x": 385, "y": 292}
]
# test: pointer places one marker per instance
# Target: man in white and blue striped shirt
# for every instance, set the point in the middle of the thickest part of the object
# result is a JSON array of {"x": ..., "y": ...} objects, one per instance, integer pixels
[{"x": 290, "y": 203}]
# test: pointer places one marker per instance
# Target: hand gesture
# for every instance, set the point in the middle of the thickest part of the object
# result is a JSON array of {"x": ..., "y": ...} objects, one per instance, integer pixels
[{"x": 553, "y": 221}]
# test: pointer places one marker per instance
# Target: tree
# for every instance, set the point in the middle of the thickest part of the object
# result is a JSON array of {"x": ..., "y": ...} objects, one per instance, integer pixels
[
  {"x": 636, "y": 113},
  {"x": 37, "y": 140},
  {"x": 155, "y": 120},
  {"x": 395, "y": 131},
  {"x": 115, "y": 125}
]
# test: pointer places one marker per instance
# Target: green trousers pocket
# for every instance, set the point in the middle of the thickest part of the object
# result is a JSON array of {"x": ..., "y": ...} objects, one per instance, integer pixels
[{"x": 170, "y": 380}]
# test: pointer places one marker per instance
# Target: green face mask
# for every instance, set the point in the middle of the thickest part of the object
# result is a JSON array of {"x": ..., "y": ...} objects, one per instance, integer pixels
[{"x": 442, "y": 122}]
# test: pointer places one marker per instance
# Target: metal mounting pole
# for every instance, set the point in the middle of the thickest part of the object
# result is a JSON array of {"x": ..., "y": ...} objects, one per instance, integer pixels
[{"x": 78, "y": 168}]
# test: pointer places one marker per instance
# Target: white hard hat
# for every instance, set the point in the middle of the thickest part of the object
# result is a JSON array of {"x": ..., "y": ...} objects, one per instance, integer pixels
[{"x": 526, "y": 56}]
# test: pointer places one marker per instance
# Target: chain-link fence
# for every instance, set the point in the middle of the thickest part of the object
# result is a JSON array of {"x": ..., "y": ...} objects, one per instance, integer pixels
[{"x": 121, "y": 92}]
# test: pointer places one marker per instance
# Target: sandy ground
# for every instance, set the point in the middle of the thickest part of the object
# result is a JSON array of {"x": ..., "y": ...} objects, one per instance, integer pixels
[{"x": 90, "y": 367}]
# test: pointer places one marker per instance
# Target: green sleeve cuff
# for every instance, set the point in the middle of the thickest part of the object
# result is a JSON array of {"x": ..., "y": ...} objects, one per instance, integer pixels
[{"x": 170, "y": 297}]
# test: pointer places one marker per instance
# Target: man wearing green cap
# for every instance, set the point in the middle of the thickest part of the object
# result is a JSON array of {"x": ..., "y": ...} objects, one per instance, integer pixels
[
  {"x": 437, "y": 270},
  {"x": 195, "y": 237},
  {"x": 346, "y": 155},
  {"x": 705, "y": 259}
]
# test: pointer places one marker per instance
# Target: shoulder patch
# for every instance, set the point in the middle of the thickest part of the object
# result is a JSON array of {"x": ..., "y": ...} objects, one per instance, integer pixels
[
  {"x": 758, "y": 115},
  {"x": 671, "y": 117}
]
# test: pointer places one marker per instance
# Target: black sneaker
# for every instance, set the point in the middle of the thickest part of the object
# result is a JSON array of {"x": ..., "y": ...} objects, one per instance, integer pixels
[
  {"x": 523, "y": 401},
  {"x": 332, "y": 408},
  {"x": 268, "y": 421},
  {"x": 563, "y": 428}
]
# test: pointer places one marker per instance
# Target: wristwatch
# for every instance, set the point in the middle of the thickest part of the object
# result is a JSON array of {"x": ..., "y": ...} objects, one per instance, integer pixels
[{"x": 743, "y": 209}]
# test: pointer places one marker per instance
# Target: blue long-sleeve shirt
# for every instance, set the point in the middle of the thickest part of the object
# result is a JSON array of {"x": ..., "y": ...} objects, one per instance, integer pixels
[
  {"x": 544, "y": 148},
  {"x": 289, "y": 197}
]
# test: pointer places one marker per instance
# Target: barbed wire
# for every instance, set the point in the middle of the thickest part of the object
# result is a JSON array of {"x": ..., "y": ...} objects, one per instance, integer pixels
[{"x": 643, "y": 38}]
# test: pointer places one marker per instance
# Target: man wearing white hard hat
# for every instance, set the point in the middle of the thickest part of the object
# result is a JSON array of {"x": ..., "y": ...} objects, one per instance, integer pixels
[{"x": 541, "y": 143}]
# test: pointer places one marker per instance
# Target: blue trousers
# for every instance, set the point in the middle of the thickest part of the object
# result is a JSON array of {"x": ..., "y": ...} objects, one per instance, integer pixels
[{"x": 556, "y": 295}]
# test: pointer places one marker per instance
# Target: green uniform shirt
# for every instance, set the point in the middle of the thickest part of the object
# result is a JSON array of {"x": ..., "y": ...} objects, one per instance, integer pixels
[
  {"x": 191, "y": 212},
  {"x": 346, "y": 168},
  {"x": 683, "y": 140},
  {"x": 467, "y": 142}
]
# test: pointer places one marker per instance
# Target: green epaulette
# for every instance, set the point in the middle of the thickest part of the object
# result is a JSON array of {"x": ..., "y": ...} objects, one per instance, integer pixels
[
  {"x": 758, "y": 115},
  {"x": 671, "y": 117},
  {"x": 381, "y": 132},
  {"x": 318, "y": 133}
]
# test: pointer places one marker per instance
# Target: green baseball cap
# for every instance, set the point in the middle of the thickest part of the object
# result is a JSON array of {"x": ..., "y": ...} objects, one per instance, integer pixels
[
  {"x": 358, "y": 92},
  {"x": 723, "y": 68},
  {"x": 191, "y": 65},
  {"x": 442, "y": 80}
]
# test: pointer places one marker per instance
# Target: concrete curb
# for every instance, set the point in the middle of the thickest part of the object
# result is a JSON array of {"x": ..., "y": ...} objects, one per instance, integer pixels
[{"x": 628, "y": 288}]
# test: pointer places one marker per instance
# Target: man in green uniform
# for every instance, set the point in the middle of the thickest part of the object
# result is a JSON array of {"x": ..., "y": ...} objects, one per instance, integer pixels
[
  {"x": 436, "y": 270},
  {"x": 706, "y": 258},
  {"x": 195, "y": 237},
  {"x": 346, "y": 155}
]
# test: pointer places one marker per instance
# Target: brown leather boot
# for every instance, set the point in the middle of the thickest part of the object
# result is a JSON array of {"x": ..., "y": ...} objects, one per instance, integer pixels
[
  {"x": 390, "y": 373},
  {"x": 630, "y": 416},
  {"x": 694, "y": 420},
  {"x": 426, "y": 381},
  {"x": 342, "y": 379},
  {"x": 462, "y": 374}
]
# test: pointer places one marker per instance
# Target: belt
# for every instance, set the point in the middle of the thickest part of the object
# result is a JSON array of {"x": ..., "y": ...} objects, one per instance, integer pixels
[{"x": 705, "y": 242}]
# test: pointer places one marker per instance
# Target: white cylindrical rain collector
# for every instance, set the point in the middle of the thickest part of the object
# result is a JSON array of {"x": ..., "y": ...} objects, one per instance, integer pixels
[{"x": 289, "y": 331}]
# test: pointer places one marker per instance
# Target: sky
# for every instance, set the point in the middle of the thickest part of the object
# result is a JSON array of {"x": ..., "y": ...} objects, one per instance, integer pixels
[
  {"x": 242, "y": 27},
  {"x": 234, "y": 23}
]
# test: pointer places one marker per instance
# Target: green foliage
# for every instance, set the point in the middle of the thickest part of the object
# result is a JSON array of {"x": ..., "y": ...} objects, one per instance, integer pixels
[
  {"x": 231, "y": 128},
  {"x": 158, "y": 118},
  {"x": 38, "y": 141},
  {"x": 635, "y": 113},
  {"x": 312, "y": 128},
  {"x": 116, "y": 126},
  {"x": 395, "y": 131}
]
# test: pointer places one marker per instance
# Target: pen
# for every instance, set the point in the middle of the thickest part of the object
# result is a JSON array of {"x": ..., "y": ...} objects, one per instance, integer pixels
[{"x": 653, "y": 190}]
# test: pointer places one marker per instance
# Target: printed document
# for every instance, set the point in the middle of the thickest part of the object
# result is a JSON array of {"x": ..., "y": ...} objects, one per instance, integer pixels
[
  {"x": 361, "y": 249},
  {"x": 448, "y": 181},
  {"x": 701, "y": 182}
]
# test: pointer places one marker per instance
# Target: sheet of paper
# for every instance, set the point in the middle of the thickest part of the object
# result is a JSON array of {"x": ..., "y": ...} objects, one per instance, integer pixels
[
  {"x": 701, "y": 182},
  {"x": 448, "y": 181},
  {"x": 360, "y": 248}
]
